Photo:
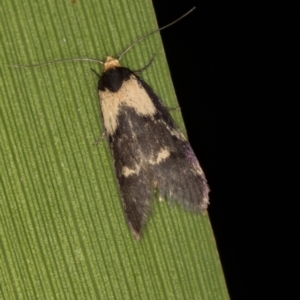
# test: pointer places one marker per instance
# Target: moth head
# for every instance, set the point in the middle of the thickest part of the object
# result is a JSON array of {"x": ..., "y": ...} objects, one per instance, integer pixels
[{"x": 111, "y": 63}]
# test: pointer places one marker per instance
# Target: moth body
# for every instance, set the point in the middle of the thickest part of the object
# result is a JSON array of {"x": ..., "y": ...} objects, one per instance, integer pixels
[{"x": 150, "y": 153}]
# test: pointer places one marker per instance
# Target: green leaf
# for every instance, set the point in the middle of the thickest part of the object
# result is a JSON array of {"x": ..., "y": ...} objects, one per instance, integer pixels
[{"x": 63, "y": 233}]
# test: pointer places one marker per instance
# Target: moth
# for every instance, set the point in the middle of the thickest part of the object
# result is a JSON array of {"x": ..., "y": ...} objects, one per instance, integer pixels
[{"x": 151, "y": 155}]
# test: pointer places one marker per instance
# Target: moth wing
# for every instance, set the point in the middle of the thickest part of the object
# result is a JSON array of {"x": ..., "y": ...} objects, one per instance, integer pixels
[
  {"x": 136, "y": 180},
  {"x": 181, "y": 179},
  {"x": 148, "y": 148},
  {"x": 175, "y": 166}
]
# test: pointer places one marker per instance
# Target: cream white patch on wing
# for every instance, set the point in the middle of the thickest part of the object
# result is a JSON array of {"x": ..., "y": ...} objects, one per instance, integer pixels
[
  {"x": 126, "y": 172},
  {"x": 162, "y": 155},
  {"x": 197, "y": 170},
  {"x": 131, "y": 94},
  {"x": 178, "y": 134}
]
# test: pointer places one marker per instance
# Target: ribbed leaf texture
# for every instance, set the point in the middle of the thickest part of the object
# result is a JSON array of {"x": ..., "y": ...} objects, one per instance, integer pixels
[{"x": 63, "y": 233}]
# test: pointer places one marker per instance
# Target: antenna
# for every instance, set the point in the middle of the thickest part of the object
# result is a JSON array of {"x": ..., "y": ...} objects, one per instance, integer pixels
[
  {"x": 154, "y": 31},
  {"x": 98, "y": 60},
  {"x": 58, "y": 61}
]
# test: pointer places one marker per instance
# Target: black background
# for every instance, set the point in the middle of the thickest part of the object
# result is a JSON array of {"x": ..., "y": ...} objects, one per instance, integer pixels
[{"x": 226, "y": 61}]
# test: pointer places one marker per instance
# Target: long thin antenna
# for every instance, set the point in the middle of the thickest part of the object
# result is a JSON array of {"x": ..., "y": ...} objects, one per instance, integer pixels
[
  {"x": 100, "y": 61},
  {"x": 154, "y": 31},
  {"x": 58, "y": 61}
]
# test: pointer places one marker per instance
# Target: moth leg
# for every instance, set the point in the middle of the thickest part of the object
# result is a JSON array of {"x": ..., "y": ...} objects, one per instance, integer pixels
[
  {"x": 139, "y": 72},
  {"x": 94, "y": 71},
  {"x": 174, "y": 108},
  {"x": 103, "y": 135}
]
